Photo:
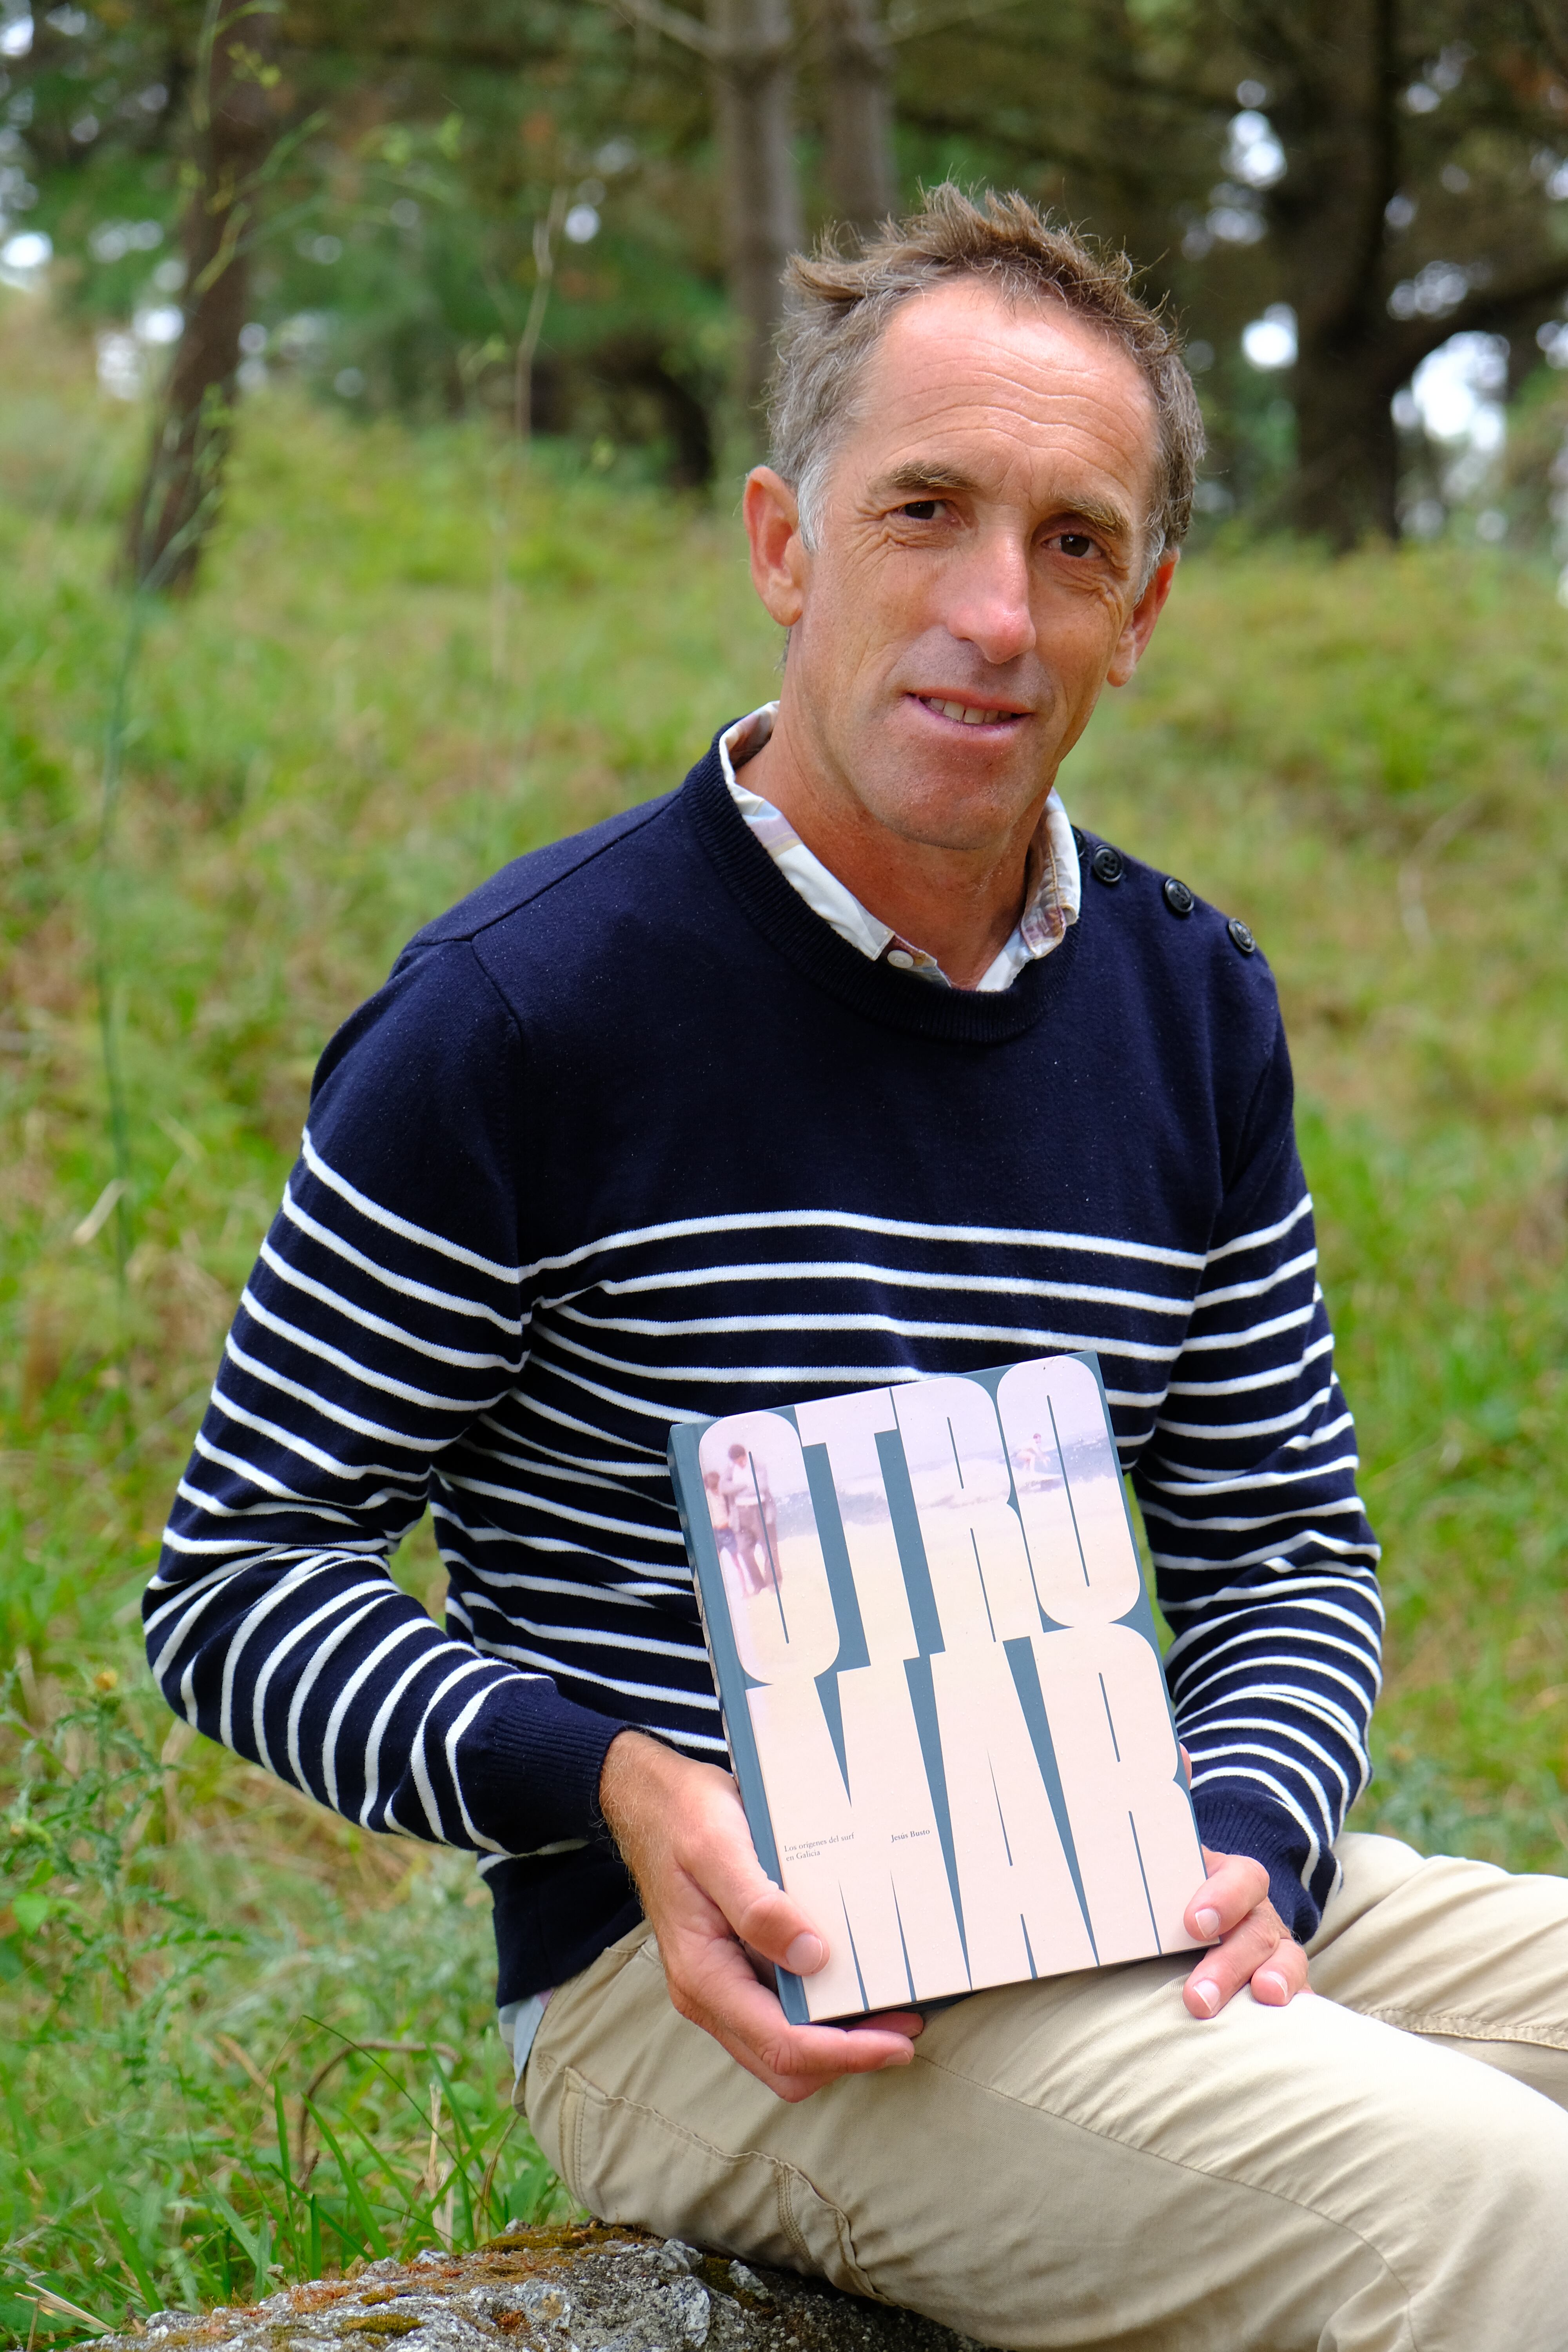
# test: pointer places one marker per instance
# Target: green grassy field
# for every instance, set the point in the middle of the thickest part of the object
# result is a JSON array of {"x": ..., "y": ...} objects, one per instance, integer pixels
[{"x": 249, "y": 2042}]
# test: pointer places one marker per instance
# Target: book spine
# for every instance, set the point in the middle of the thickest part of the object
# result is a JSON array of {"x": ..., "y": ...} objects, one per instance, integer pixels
[{"x": 728, "y": 1677}]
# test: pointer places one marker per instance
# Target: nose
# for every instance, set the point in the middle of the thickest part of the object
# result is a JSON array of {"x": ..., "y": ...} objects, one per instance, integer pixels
[{"x": 988, "y": 599}]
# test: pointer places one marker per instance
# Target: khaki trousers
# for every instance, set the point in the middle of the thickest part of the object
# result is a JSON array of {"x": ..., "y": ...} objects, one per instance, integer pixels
[{"x": 1078, "y": 2162}]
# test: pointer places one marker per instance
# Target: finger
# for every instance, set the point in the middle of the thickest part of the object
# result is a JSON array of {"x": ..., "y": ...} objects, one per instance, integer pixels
[
  {"x": 1222, "y": 1972},
  {"x": 712, "y": 1979},
  {"x": 1234, "y": 1887},
  {"x": 1282, "y": 1975},
  {"x": 684, "y": 1833},
  {"x": 735, "y": 2000},
  {"x": 793, "y": 2060},
  {"x": 728, "y": 1873}
]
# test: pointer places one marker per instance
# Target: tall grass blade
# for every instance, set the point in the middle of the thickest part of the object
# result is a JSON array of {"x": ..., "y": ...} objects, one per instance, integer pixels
[
  {"x": 374, "y": 2239},
  {"x": 120, "y": 2229}
]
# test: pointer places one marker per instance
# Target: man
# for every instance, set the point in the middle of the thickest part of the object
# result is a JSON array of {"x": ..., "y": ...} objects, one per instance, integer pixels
[
  {"x": 721, "y": 1518},
  {"x": 1023, "y": 1095},
  {"x": 756, "y": 1519},
  {"x": 745, "y": 1487}
]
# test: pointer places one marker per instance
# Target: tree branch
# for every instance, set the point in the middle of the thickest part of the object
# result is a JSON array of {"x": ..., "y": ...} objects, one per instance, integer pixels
[
  {"x": 1492, "y": 308},
  {"x": 909, "y": 23},
  {"x": 1551, "y": 24},
  {"x": 673, "y": 22},
  {"x": 1043, "y": 145},
  {"x": 692, "y": 34}
]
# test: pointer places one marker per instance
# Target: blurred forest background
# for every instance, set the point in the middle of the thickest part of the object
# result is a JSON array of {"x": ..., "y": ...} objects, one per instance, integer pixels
[
  {"x": 570, "y": 214},
  {"x": 375, "y": 387}
]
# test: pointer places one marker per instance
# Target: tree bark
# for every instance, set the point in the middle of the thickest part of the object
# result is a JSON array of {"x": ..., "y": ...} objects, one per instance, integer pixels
[
  {"x": 1337, "y": 63},
  {"x": 862, "y": 182},
  {"x": 1345, "y": 484},
  {"x": 753, "y": 104},
  {"x": 234, "y": 126}
]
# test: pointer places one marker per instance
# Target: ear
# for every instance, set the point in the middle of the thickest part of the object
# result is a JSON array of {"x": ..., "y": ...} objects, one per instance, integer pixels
[
  {"x": 780, "y": 563},
  {"x": 1140, "y": 624}
]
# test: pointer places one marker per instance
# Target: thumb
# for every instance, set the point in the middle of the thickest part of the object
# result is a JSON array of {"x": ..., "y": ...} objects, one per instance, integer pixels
[{"x": 762, "y": 1914}]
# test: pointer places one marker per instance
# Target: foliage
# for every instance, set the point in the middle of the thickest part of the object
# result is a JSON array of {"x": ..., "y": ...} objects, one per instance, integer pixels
[
  {"x": 1391, "y": 173},
  {"x": 396, "y": 255},
  {"x": 182, "y": 2122},
  {"x": 413, "y": 657},
  {"x": 1366, "y": 759}
]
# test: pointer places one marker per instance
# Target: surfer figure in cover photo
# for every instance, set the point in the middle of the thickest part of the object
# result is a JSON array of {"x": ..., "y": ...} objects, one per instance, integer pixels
[
  {"x": 753, "y": 1518},
  {"x": 718, "y": 1517}
]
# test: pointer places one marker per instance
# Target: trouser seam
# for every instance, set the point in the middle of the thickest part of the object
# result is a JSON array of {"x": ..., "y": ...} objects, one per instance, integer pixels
[
  {"x": 538, "y": 2068},
  {"x": 1468, "y": 2028},
  {"x": 1180, "y": 2164},
  {"x": 786, "y": 2173}
]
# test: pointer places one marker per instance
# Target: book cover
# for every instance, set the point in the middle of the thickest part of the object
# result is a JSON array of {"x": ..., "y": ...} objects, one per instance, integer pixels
[{"x": 941, "y": 1683}]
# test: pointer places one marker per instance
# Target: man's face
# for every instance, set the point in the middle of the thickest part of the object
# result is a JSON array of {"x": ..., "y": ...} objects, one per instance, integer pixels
[{"x": 980, "y": 549}]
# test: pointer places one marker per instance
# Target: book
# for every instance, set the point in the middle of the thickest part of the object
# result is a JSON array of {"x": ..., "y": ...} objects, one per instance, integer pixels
[{"x": 941, "y": 1682}]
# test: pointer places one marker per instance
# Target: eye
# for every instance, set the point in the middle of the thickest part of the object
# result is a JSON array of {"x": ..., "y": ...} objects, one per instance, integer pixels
[
  {"x": 1075, "y": 543},
  {"x": 920, "y": 509}
]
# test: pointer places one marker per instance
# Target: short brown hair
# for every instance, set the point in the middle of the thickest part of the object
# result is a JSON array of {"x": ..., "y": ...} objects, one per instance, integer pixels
[{"x": 839, "y": 310}]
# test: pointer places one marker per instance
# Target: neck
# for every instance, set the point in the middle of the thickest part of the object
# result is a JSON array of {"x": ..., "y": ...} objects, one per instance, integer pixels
[{"x": 961, "y": 905}]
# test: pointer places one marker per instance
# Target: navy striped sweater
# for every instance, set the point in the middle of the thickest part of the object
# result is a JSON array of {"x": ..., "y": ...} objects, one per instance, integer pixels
[{"x": 633, "y": 1135}]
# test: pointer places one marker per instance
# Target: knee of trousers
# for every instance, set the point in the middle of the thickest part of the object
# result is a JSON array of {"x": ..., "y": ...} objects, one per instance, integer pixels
[
  {"x": 629, "y": 2163},
  {"x": 1456, "y": 2177}
]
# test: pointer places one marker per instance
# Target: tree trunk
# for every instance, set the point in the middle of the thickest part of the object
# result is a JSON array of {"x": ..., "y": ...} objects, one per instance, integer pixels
[
  {"x": 1346, "y": 483},
  {"x": 234, "y": 126},
  {"x": 861, "y": 183},
  {"x": 753, "y": 92},
  {"x": 1339, "y": 64}
]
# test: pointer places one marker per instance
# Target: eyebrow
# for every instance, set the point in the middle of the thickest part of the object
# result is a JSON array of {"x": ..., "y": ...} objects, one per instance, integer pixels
[
  {"x": 919, "y": 479},
  {"x": 917, "y": 476}
]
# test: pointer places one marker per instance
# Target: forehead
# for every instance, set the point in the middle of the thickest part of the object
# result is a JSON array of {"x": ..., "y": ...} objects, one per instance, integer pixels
[{"x": 1027, "y": 394}]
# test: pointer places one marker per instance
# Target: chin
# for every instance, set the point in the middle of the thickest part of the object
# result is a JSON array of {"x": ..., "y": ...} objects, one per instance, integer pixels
[
  {"x": 940, "y": 806},
  {"x": 939, "y": 819}
]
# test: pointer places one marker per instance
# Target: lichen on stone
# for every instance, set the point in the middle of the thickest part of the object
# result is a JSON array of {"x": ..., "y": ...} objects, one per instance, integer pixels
[{"x": 588, "y": 2288}]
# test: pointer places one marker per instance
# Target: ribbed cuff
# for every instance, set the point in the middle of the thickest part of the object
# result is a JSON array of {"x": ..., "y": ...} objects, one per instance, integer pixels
[
  {"x": 1230, "y": 1824},
  {"x": 530, "y": 1766}
]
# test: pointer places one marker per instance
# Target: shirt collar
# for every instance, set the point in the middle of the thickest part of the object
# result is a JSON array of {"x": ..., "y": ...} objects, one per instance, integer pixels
[{"x": 1052, "y": 891}]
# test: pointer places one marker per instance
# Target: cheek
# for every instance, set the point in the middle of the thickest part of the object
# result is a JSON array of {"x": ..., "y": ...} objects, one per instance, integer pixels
[
  {"x": 1080, "y": 628},
  {"x": 1103, "y": 599},
  {"x": 866, "y": 609}
]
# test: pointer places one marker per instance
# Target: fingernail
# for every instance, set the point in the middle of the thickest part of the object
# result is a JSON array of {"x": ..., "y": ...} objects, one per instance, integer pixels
[
  {"x": 1206, "y": 1995},
  {"x": 806, "y": 1955},
  {"x": 1272, "y": 1987},
  {"x": 1207, "y": 1922}
]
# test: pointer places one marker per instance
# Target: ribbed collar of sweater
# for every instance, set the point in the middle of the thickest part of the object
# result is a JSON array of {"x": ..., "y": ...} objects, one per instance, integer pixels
[
  {"x": 875, "y": 988},
  {"x": 1052, "y": 882}
]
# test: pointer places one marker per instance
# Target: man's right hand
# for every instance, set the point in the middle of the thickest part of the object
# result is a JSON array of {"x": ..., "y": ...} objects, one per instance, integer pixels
[{"x": 683, "y": 1835}]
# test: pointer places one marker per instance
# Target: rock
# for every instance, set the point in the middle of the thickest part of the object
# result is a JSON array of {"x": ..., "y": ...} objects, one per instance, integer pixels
[
  {"x": 692, "y": 2306},
  {"x": 588, "y": 2289}
]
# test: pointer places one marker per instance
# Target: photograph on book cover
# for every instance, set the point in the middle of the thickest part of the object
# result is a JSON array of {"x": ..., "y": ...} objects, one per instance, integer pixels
[{"x": 941, "y": 1681}]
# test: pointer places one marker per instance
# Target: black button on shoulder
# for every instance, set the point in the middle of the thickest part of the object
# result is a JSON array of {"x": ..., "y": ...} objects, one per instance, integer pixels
[
  {"x": 1177, "y": 895},
  {"x": 1106, "y": 865},
  {"x": 1241, "y": 938}
]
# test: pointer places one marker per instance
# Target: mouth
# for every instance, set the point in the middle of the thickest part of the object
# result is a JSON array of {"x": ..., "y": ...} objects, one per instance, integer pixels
[{"x": 963, "y": 713}]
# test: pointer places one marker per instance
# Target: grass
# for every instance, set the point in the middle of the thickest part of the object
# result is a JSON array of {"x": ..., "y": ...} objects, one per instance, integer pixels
[{"x": 251, "y": 2042}]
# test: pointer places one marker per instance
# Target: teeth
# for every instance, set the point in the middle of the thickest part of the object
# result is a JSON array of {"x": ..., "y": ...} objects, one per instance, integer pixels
[{"x": 965, "y": 716}]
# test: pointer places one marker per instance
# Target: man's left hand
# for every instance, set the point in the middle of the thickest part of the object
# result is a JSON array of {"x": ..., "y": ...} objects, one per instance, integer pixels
[{"x": 1255, "y": 1948}]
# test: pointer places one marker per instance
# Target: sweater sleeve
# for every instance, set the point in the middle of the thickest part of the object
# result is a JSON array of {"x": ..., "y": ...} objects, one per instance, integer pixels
[
  {"x": 386, "y": 1313},
  {"x": 1265, "y": 1562}
]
